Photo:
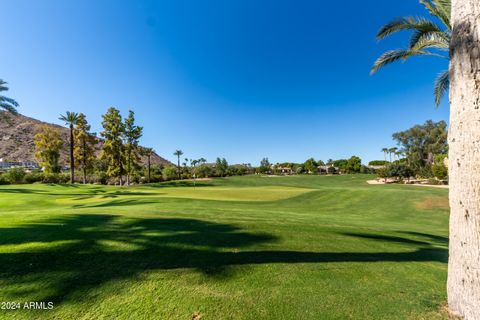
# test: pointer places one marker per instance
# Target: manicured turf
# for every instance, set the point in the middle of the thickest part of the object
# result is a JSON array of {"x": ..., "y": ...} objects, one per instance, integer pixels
[{"x": 237, "y": 248}]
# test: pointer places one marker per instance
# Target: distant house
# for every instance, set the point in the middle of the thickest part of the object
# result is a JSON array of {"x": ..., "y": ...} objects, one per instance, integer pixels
[
  {"x": 285, "y": 170},
  {"x": 29, "y": 165},
  {"x": 333, "y": 170},
  {"x": 322, "y": 169},
  {"x": 375, "y": 168}
]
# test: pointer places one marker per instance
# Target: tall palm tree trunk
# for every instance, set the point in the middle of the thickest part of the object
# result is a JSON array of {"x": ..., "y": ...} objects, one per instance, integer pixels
[
  {"x": 464, "y": 161},
  {"x": 84, "y": 167},
  {"x": 148, "y": 164},
  {"x": 72, "y": 164},
  {"x": 178, "y": 167}
]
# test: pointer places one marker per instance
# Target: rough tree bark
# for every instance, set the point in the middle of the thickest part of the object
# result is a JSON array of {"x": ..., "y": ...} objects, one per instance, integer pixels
[{"x": 464, "y": 161}]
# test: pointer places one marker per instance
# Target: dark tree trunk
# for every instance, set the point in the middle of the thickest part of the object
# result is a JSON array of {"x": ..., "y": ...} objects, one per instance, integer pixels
[
  {"x": 178, "y": 168},
  {"x": 84, "y": 166},
  {"x": 72, "y": 164},
  {"x": 120, "y": 165}
]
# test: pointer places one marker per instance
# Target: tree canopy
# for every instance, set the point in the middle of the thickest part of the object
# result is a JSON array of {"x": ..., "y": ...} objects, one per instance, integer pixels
[{"x": 422, "y": 142}]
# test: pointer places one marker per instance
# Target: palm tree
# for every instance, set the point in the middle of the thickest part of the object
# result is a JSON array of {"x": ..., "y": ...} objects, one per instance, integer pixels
[
  {"x": 385, "y": 151},
  {"x": 398, "y": 154},
  {"x": 7, "y": 104},
  {"x": 428, "y": 38},
  {"x": 392, "y": 151},
  {"x": 178, "y": 154},
  {"x": 71, "y": 119}
]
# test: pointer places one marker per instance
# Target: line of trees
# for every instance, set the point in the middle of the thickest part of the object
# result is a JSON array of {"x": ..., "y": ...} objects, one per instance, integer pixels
[
  {"x": 312, "y": 166},
  {"x": 119, "y": 157},
  {"x": 199, "y": 168}
]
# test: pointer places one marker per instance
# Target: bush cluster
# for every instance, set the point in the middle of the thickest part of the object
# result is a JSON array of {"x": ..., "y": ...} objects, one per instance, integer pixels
[{"x": 19, "y": 175}]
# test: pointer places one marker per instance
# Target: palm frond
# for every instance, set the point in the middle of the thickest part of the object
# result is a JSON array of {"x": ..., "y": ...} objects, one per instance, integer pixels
[
  {"x": 8, "y": 107},
  {"x": 69, "y": 118},
  {"x": 442, "y": 84},
  {"x": 3, "y": 86},
  {"x": 8, "y": 100},
  {"x": 431, "y": 41},
  {"x": 407, "y": 23},
  {"x": 390, "y": 57},
  {"x": 442, "y": 37},
  {"x": 440, "y": 9}
]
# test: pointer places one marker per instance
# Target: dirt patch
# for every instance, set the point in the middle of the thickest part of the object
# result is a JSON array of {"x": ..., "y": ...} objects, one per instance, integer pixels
[{"x": 433, "y": 203}]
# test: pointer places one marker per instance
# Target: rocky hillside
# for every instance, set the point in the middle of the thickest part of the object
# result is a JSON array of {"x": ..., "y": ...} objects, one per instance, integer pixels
[{"x": 16, "y": 140}]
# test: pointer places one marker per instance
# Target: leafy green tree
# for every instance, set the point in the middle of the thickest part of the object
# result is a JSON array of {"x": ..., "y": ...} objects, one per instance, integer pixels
[
  {"x": 421, "y": 142},
  {"x": 48, "y": 144},
  {"x": 169, "y": 172},
  {"x": 221, "y": 167},
  {"x": 439, "y": 169},
  {"x": 341, "y": 164},
  {"x": 6, "y": 103},
  {"x": 428, "y": 39},
  {"x": 265, "y": 166},
  {"x": 71, "y": 118},
  {"x": 354, "y": 164},
  {"x": 399, "y": 171},
  {"x": 84, "y": 151},
  {"x": 310, "y": 165},
  {"x": 131, "y": 136},
  {"x": 203, "y": 171},
  {"x": 383, "y": 173},
  {"x": 113, "y": 148},
  {"x": 178, "y": 154}
]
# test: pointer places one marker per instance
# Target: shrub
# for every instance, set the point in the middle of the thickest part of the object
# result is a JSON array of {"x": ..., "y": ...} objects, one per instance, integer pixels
[
  {"x": 377, "y": 163},
  {"x": 435, "y": 182},
  {"x": 15, "y": 175},
  {"x": 169, "y": 173},
  {"x": 203, "y": 171},
  {"x": 399, "y": 171},
  {"x": 440, "y": 171},
  {"x": 383, "y": 173},
  {"x": 425, "y": 172},
  {"x": 365, "y": 169},
  {"x": 55, "y": 178},
  {"x": 33, "y": 177},
  {"x": 3, "y": 180}
]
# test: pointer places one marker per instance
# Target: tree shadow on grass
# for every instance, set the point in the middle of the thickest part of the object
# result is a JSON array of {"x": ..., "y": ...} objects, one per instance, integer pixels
[
  {"x": 82, "y": 195},
  {"x": 81, "y": 252},
  {"x": 116, "y": 203},
  {"x": 181, "y": 183}
]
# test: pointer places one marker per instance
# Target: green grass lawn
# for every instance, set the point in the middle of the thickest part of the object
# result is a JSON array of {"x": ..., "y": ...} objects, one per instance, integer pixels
[{"x": 237, "y": 248}]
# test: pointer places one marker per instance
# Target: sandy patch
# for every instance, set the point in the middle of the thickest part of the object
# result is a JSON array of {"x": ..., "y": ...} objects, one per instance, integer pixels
[{"x": 433, "y": 203}]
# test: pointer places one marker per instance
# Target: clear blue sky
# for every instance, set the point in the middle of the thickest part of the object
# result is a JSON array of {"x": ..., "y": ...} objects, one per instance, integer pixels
[{"x": 287, "y": 80}]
